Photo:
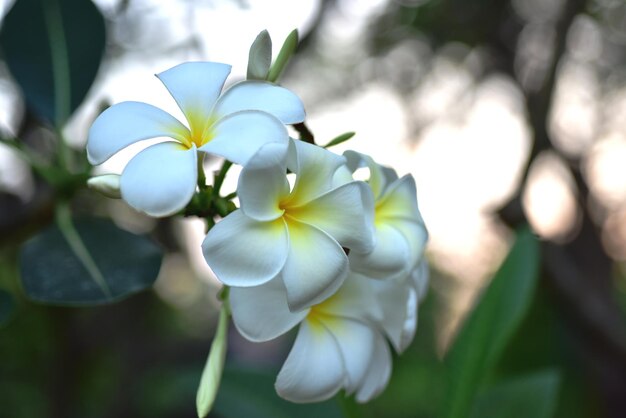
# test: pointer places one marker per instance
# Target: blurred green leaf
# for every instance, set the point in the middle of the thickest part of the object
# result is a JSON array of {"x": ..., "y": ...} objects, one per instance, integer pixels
[
  {"x": 250, "y": 393},
  {"x": 533, "y": 395},
  {"x": 52, "y": 272},
  {"x": 339, "y": 139},
  {"x": 260, "y": 57},
  {"x": 286, "y": 51},
  {"x": 7, "y": 304},
  {"x": 491, "y": 325},
  {"x": 53, "y": 49}
]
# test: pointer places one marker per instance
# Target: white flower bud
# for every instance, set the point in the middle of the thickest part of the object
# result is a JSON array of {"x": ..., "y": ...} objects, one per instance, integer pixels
[{"x": 107, "y": 184}]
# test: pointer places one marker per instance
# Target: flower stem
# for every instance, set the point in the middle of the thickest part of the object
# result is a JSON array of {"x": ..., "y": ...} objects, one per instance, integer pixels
[
  {"x": 219, "y": 178},
  {"x": 201, "y": 176},
  {"x": 347, "y": 405}
]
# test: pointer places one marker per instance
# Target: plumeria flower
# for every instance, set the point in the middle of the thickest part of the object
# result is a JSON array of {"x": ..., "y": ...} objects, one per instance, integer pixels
[
  {"x": 294, "y": 233},
  {"x": 161, "y": 179},
  {"x": 400, "y": 232},
  {"x": 339, "y": 344}
]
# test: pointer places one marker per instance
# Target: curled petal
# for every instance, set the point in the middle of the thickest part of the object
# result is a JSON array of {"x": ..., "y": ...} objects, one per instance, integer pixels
[
  {"x": 377, "y": 179},
  {"x": 161, "y": 179},
  {"x": 416, "y": 236},
  {"x": 345, "y": 213},
  {"x": 238, "y": 136},
  {"x": 195, "y": 86},
  {"x": 399, "y": 304},
  {"x": 355, "y": 299},
  {"x": 400, "y": 201},
  {"x": 420, "y": 277},
  {"x": 378, "y": 373},
  {"x": 260, "y": 95},
  {"x": 314, "y": 167},
  {"x": 314, "y": 369},
  {"x": 342, "y": 176},
  {"x": 261, "y": 313},
  {"x": 315, "y": 268},
  {"x": 389, "y": 258},
  {"x": 244, "y": 252},
  {"x": 126, "y": 123},
  {"x": 263, "y": 183},
  {"x": 356, "y": 342}
]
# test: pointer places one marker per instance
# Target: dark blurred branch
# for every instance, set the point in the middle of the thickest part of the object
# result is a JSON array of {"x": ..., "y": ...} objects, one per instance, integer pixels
[
  {"x": 538, "y": 105},
  {"x": 578, "y": 272}
]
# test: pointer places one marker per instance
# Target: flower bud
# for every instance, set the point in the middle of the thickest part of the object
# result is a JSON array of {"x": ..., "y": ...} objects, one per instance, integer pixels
[{"x": 107, "y": 184}]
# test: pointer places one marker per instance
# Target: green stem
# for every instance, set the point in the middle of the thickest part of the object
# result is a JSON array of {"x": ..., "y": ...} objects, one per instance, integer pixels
[
  {"x": 347, "y": 405},
  {"x": 219, "y": 178},
  {"x": 23, "y": 152},
  {"x": 63, "y": 218},
  {"x": 201, "y": 176}
]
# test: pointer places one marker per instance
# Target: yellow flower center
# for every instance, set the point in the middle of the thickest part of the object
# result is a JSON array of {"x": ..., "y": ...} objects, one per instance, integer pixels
[{"x": 201, "y": 131}]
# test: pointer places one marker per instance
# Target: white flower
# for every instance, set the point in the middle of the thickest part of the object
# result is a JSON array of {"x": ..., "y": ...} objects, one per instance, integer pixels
[
  {"x": 338, "y": 345},
  {"x": 400, "y": 232},
  {"x": 296, "y": 234},
  {"x": 161, "y": 179}
]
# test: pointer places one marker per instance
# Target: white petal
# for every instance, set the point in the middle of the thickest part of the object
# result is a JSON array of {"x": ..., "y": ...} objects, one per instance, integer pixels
[
  {"x": 415, "y": 235},
  {"x": 399, "y": 304},
  {"x": 244, "y": 252},
  {"x": 314, "y": 369},
  {"x": 400, "y": 200},
  {"x": 377, "y": 179},
  {"x": 342, "y": 176},
  {"x": 345, "y": 213},
  {"x": 315, "y": 168},
  {"x": 238, "y": 136},
  {"x": 161, "y": 179},
  {"x": 315, "y": 268},
  {"x": 126, "y": 123},
  {"x": 355, "y": 299},
  {"x": 261, "y": 313},
  {"x": 420, "y": 277},
  {"x": 356, "y": 341},
  {"x": 389, "y": 258},
  {"x": 195, "y": 86},
  {"x": 263, "y": 183},
  {"x": 378, "y": 373},
  {"x": 259, "y": 95}
]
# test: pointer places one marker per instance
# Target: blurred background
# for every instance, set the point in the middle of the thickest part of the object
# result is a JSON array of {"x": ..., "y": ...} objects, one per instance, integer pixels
[{"x": 503, "y": 111}]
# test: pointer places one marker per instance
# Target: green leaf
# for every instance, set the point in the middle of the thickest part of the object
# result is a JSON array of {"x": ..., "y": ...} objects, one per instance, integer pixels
[
  {"x": 490, "y": 326},
  {"x": 534, "y": 395},
  {"x": 341, "y": 138},
  {"x": 105, "y": 265},
  {"x": 53, "y": 49},
  {"x": 287, "y": 50},
  {"x": 260, "y": 57},
  {"x": 212, "y": 373},
  {"x": 250, "y": 394},
  {"x": 7, "y": 305}
]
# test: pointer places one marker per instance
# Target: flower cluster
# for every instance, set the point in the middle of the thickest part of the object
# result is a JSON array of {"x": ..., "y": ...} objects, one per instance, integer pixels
[{"x": 309, "y": 247}]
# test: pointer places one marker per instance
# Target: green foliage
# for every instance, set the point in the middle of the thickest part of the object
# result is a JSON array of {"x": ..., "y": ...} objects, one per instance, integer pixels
[
  {"x": 339, "y": 139},
  {"x": 533, "y": 395},
  {"x": 287, "y": 50},
  {"x": 491, "y": 325},
  {"x": 7, "y": 305},
  {"x": 54, "y": 270},
  {"x": 53, "y": 49},
  {"x": 260, "y": 57},
  {"x": 250, "y": 393}
]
